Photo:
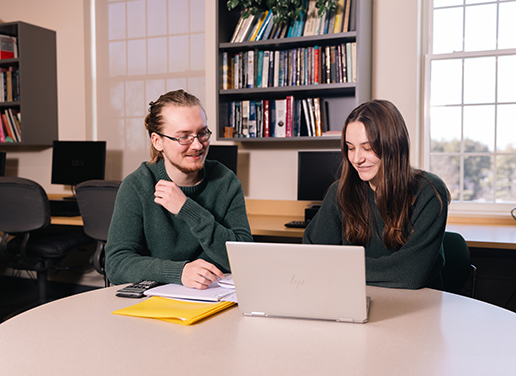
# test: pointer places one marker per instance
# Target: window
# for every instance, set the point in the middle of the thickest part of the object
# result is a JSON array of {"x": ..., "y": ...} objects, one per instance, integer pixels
[
  {"x": 470, "y": 101},
  {"x": 143, "y": 48}
]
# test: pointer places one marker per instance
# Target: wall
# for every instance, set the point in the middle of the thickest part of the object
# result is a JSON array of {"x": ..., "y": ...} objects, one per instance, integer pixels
[{"x": 67, "y": 19}]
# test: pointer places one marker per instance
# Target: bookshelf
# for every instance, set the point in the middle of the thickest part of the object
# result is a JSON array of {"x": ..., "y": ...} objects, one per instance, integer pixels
[
  {"x": 37, "y": 86},
  {"x": 339, "y": 98}
]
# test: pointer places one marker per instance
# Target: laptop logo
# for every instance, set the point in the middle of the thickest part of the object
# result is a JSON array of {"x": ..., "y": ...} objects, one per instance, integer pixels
[{"x": 296, "y": 282}]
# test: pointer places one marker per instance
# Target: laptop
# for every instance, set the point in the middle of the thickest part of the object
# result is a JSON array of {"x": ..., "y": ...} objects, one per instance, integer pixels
[{"x": 306, "y": 281}]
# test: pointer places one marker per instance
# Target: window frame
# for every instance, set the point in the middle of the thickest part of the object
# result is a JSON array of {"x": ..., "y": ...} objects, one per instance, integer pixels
[{"x": 456, "y": 207}]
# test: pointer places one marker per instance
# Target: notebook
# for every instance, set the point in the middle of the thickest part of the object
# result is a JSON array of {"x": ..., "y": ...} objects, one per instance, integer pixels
[{"x": 308, "y": 281}]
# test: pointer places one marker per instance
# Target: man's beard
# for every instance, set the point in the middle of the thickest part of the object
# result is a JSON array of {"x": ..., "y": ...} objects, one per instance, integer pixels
[{"x": 187, "y": 170}]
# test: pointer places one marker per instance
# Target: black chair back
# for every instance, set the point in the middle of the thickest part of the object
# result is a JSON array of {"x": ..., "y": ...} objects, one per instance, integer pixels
[
  {"x": 457, "y": 268},
  {"x": 24, "y": 206},
  {"x": 96, "y": 199}
]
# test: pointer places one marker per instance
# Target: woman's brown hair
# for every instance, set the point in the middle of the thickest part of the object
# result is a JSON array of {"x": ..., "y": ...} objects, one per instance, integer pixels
[
  {"x": 154, "y": 120},
  {"x": 396, "y": 179}
]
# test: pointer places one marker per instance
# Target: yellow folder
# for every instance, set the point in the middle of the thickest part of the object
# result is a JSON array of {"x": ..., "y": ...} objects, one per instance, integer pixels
[{"x": 175, "y": 311}]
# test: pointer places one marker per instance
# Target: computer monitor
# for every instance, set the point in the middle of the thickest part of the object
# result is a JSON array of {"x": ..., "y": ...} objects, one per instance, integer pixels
[
  {"x": 317, "y": 170},
  {"x": 225, "y": 154},
  {"x": 2, "y": 163},
  {"x": 76, "y": 161}
]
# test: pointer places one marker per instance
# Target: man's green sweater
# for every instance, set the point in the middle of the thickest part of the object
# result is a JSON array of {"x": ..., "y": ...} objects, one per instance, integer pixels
[
  {"x": 147, "y": 242},
  {"x": 416, "y": 264}
]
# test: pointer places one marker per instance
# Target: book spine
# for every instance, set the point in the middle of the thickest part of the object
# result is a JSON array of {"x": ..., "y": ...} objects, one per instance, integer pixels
[
  {"x": 317, "y": 115},
  {"x": 237, "y": 29},
  {"x": 264, "y": 27},
  {"x": 272, "y": 118},
  {"x": 281, "y": 68},
  {"x": 333, "y": 65},
  {"x": 271, "y": 69},
  {"x": 289, "y": 116},
  {"x": 265, "y": 73},
  {"x": 266, "y": 118},
  {"x": 312, "y": 115},
  {"x": 252, "y": 119},
  {"x": 349, "y": 67},
  {"x": 307, "y": 118},
  {"x": 316, "y": 65},
  {"x": 245, "y": 118},
  {"x": 250, "y": 69},
  {"x": 259, "y": 118},
  {"x": 281, "y": 111},
  {"x": 259, "y": 70},
  {"x": 339, "y": 14},
  {"x": 297, "y": 118},
  {"x": 276, "y": 68},
  {"x": 354, "y": 61},
  {"x": 225, "y": 80},
  {"x": 2, "y": 133},
  {"x": 327, "y": 56},
  {"x": 238, "y": 119}
]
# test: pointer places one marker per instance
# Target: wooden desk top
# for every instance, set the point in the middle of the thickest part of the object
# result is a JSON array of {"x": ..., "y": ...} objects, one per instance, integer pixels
[
  {"x": 268, "y": 218},
  {"x": 410, "y": 332}
]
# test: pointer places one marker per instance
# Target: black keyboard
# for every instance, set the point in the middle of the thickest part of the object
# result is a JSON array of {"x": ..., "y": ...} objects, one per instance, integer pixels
[{"x": 296, "y": 224}]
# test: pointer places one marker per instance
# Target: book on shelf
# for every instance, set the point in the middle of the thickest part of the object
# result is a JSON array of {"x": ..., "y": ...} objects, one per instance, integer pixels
[
  {"x": 8, "y": 47},
  {"x": 353, "y": 61},
  {"x": 276, "y": 69},
  {"x": 307, "y": 118},
  {"x": 331, "y": 22},
  {"x": 345, "y": 19},
  {"x": 266, "y": 118},
  {"x": 237, "y": 29},
  {"x": 238, "y": 119},
  {"x": 265, "y": 69},
  {"x": 225, "y": 71},
  {"x": 289, "y": 116},
  {"x": 2, "y": 132},
  {"x": 310, "y": 26},
  {"x": 339, "y": 15},
  {"x": 245, "y": 29},
  {"x": 281, "y": 119},
  {"x": 349, "y": 66},
  {"x": 333, "y": 65},
  {"x": 259, "y": 118},
  {"x": 252, "y": 119},
  {"x": 353, "y": 16},
  {"x": 250, "y": 70},
  {"x": 317, "y": 116},
  {"x": 245, "y": 118},
  {"x": 265, "y": 27},
  {"x": 260, "y": 19},
  {"x": 13, "y": 116},
  {"x": 272, "y": 118},
  {"x": 259, "y": 69}
]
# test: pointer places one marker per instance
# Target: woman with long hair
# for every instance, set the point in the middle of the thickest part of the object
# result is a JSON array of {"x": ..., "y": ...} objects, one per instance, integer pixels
[{"x": 398, "y": 213}]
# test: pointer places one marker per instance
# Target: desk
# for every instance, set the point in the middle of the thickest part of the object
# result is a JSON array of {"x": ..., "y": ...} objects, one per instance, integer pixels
[
  {"x": 268, "y": 218},
  {"x": 422, "y": 332}
]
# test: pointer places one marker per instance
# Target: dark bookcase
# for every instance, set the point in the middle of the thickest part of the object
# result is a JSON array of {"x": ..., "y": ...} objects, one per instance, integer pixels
[
  {"x": 341, "y": 98},
  {"x": 37, "y": 67}
]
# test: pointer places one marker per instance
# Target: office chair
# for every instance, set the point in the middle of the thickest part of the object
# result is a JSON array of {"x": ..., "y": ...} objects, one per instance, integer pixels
[
  {"x": 24, "y": 214},
  {"x": 457, "y": 268},
  {"x": 96, "y": 199}
]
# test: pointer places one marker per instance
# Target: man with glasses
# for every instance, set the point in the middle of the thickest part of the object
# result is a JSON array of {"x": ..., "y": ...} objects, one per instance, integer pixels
[{"x": 174, "y": 214}]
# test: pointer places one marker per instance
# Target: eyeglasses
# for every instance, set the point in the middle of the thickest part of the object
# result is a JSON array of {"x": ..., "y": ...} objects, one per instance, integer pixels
[{"x": 188, "y": 140}]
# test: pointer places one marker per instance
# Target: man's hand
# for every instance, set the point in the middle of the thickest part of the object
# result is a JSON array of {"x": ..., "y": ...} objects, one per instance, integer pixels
[
  {"x": 170, "y": 196},
  {"x": 199, "y": 274}
]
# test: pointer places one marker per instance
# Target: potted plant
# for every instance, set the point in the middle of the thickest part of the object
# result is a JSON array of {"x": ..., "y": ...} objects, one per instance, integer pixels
[{"x": 283, "y": 10}]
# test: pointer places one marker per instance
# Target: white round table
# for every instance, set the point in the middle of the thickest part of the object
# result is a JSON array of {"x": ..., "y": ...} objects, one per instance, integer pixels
[{"x": 421, "y": 332}]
